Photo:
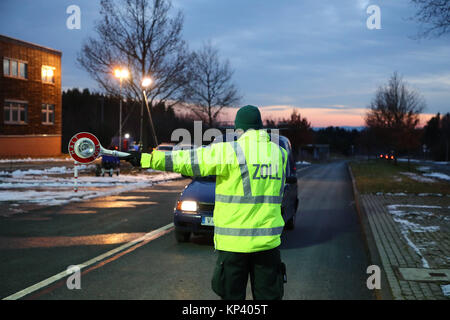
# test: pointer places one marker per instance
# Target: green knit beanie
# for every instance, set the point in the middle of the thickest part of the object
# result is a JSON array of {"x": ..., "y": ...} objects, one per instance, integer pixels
[{"x": 248, "y": 117}]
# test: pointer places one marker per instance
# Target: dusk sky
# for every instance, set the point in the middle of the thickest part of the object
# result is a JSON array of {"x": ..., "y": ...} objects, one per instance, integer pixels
[{"x": 314, "y": 55}]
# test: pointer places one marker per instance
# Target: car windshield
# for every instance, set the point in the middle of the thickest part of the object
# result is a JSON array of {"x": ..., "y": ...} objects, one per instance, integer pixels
[{"x": 165, "y": 148}]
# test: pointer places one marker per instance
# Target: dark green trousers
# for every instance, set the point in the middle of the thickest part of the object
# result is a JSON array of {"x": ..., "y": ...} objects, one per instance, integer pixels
[{"x": 266, "y": 275}]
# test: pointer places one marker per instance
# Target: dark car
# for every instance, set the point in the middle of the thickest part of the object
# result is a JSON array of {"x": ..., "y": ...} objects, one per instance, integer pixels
[{"x": 194, "y": 209}]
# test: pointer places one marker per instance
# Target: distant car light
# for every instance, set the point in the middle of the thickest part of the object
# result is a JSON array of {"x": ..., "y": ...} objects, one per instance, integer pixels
[{"x": 189, "y": 206}]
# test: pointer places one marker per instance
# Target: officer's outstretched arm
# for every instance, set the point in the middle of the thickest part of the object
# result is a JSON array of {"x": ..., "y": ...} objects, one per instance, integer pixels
[{"x": 203, "y": 161}]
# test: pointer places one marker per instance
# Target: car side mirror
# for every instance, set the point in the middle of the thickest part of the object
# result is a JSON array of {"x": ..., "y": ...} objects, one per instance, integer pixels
[{"x": 291, "y": 179}]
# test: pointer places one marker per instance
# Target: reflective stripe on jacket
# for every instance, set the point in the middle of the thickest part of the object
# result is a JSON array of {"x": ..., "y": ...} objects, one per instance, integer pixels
[{"x": 250, "y": 176}]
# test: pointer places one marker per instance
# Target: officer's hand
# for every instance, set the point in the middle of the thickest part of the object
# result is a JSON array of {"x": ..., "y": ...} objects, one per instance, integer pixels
[{"x": 134, "y": 158}]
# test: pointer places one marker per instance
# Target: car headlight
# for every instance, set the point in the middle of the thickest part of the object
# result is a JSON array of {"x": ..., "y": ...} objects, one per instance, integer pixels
[{"x": 189, "y": 206}]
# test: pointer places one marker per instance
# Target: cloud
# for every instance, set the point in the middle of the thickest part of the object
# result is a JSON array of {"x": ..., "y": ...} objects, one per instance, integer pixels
[
  {"x": 292, "y": 54},
  {"x": 318, "y": 117},
  {"x": 432, "y": 80},
  {"x": 363, "y": 4}
]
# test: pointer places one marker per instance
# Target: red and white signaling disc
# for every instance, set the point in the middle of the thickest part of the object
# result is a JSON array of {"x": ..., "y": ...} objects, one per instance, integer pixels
[{"x": 84, "y": 147}]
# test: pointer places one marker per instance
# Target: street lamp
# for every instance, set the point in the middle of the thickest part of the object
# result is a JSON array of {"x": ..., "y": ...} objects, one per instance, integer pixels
[
  {"x": 121, "y": 73},
  {"x": 146, "y": 82}
]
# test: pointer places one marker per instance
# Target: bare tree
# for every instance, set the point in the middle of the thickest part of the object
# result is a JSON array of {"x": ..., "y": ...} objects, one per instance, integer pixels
[
  {"x": 297, "y": 129},
  {"x": 145, "y": 37},
  {"x": 210, "y": 87},
  {"x": 435, "y": 14},
  {"x": 394, "y": 115}
]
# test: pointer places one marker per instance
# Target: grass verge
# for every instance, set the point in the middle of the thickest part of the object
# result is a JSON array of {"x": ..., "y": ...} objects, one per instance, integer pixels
[{"x": 379, "y": 176}]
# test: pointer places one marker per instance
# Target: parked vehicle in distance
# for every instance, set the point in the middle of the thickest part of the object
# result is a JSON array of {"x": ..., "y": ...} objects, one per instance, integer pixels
[
  {"x": 387, "y": 156},
  {"x": 193, "y": 213},
  {"x": 108, "y": 165}
]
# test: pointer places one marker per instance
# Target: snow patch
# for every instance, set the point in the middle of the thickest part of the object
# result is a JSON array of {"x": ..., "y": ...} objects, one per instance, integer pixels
[
  {"x": 438, "y": 175},
  {"x": 398, "y": 194},
  {"x": 395, "y": 206},
  {"x": 406, "y": 160},
  {"x": 406, "y": 226},
  {"x": 36, "y": 189},
  {"x": 302, "y": 163},
  {"x": 416, "y": 228},
  {"x": 430, "y": 194},
  {"x": 446, "y": 290},
  {"x": 424, "y": 161},
  {"x": 54, "y": 170},
  {"x": 417, "y": 177},
  {"x": 35, "y": 160}
]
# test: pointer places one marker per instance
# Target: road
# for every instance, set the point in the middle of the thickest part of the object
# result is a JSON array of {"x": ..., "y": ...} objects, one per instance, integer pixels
[{"x": 325, "y": 255}]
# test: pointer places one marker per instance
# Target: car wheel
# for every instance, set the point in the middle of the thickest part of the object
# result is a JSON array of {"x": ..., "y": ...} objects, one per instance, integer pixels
[
  {"x": 182, "y": 236},
  {"x": 290, "y": 224}
]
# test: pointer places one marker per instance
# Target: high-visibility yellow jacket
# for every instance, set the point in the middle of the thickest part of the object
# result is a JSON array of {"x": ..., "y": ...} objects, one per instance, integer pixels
[{"x": 250, "y": 177}]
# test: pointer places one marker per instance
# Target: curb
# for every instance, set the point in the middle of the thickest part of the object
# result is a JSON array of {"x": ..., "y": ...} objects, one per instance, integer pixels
[{"x": 374, "y": 257}]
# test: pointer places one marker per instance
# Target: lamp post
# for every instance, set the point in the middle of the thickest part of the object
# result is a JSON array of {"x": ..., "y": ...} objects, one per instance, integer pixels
[
  {"x": 121, "y": 74},
  {"x": 146, "y": 82}
]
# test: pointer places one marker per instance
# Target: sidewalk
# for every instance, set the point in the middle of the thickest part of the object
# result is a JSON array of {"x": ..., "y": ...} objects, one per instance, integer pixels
[{"x": 409, "y": 237}]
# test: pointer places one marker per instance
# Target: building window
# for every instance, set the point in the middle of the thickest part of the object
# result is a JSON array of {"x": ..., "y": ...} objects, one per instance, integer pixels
[
  {"x": 23, "y": 70},
  {"x": 48, "y": 114},
  {"x": 48, "y": 74},
  {"x": 6, "y": 67},
  {"x": 15, "y": 68},
  {"x": 15, "y": 112}
]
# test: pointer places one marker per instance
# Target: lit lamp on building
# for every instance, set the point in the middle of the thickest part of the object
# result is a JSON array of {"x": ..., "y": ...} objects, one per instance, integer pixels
[
  {"x": 47, "y": 73},
  {"x": 146, "y": 83},
  {"x": 121, "y": 74}
]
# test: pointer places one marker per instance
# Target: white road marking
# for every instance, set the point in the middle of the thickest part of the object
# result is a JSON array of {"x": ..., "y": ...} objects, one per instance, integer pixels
[{"x": 63, "y": 274}]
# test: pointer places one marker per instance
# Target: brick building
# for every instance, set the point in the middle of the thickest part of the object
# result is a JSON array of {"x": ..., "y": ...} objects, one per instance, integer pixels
[{"x": 30, "y": 96}]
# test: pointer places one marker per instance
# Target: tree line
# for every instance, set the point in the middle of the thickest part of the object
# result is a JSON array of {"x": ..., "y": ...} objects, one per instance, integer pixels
[{"x": 98, "y": 113}]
